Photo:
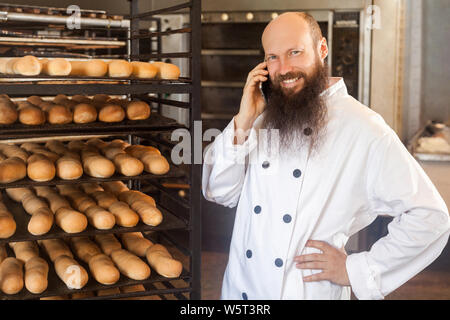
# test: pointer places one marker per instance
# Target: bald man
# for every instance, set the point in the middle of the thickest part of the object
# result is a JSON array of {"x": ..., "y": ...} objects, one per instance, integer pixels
[{"x": 309, "y": 167}]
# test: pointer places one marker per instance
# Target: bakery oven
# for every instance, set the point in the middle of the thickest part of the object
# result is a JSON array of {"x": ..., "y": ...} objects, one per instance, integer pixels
[{"x": 231, "y": 47}]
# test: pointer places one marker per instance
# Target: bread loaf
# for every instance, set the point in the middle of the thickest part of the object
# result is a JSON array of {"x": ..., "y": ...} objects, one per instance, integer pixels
[
  {"x": 115, "y": 187},
  {"x": 71, "y": 221},
  {"x": 108, "y": 243},
  {"x": 40, "y": 168},
  {"x": 31, "y": 115},
  {"x": 125, "y": 216},
  {"x": 132, "y": 196},
  {"x": 111, "y": 113},
  {"x": 84, "y": 248},
  {"x": 12, "y": 169},
  {"x": 119, "y": 68},
  {"x": 124, "y": 163},
  {"x": 8, "y": 112},
  {"x": 59, "y": 114},
  {"x": 17, "y": 194},
  {"x": 152, "y": 159},
  {"x": 166, "y": 70},
  {"x": 144, "y": 70},
  {"x": 89, "y": 68},
  {"x": 41, "y": 221},
  {"x": 27, "y": 66},
  {"x": 130, "y": 265},
  {"x": 69, "y": 168},
  {"x": 104, "y": 199},
  {"x": 136, "y": 243},
  {"x": 71, "y": 272},
  {"x": 11, "y": 276},
  {"x": 162, "y": 262},
  {"x": 103, "y": 269},
  {"x": 7, "y": 222},
  {"x": 55, "y": 200},
  {"x": 84, "y": 113},
  {"x": 56, "y": 67},
  {"x": 150, "y": 215},
  {"x": 55, "y": 248},
  {"x": 11, "y": 151},
  {"x": 96, "y": 165},
  {"x": 100, "y": 218},
  {"x": 36, "y": 275},
  {"x": 137, "y": 110},
  {"x": 25, "y": 250}
]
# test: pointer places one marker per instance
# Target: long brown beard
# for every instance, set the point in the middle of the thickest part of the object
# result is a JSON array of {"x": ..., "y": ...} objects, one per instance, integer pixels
[{"x": 299, "y": 117}]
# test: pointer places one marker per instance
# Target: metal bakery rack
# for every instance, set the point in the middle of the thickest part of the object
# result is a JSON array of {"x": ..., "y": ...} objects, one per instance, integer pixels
[{"x": 180, "y": 229}]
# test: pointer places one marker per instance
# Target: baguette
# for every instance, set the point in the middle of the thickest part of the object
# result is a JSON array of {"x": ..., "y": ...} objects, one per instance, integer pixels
[
  {"x": 119, "y": 68},
  {"x": 104, "y": 199},
  {"x": 17, "y": 194},
  {"x": 84, "y": 248},
  {"x": 100, "y": 218},
  {"x": 115, "y": 187},
  {"x": 69, "y": 167},
  {"x": 36, "y": 275},
  {"x": 125, "y": 216},
  {"x": 103, "y": 269},
  {"x": 162, "y": 262},
  {"x": 71, "y": 221},
  {"x": 13, "y": 151},
  {"x": 124, "y": 163},
  {"x": 7, "y": 223},
  {"x": 56, "y": 67},
  {"x": 90, "y": 68},
  {"x": 108, "y": 243},
  {"x": 71, "y": 272},
  {"x": 136, "y": 243},
  {"x": 144, "y": 70},
  {"x": 41, "y": 216},
  {"x": 152, "y": 159},
  {"x": 130, "y": 265},
  {"x": 25, "y": 250},
  {"x": 97, "y": 166},
  {"x": 27, "y": 66},
  {"x": 55, "y": 248},
  {"x": 40, "y": 168},
  {"x": 166, "y": 70},
  {"x": 11, "y": 276}
]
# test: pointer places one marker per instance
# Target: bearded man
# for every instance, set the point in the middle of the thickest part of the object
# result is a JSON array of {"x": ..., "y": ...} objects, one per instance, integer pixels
[{"x": 310, "y": 168}]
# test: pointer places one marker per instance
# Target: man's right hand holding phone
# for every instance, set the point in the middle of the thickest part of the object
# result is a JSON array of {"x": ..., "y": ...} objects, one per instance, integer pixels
[{"x": 252, "y": 102}]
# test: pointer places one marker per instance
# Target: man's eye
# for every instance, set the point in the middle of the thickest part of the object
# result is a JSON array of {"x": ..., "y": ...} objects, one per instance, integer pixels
[
  {"x": 295, "y": 52},
  {"x": 271, "y": 57}
]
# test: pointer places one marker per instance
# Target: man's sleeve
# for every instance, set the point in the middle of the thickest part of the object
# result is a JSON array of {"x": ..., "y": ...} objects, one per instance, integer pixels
[
  {"x": 225, "y": 165},
  {"x": 398, "y": 186}
]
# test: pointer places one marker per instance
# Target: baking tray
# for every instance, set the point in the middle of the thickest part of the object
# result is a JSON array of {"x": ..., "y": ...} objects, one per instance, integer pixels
[
  {"x": 170, "y": 222},
  {"x": 56, "y": 287}
]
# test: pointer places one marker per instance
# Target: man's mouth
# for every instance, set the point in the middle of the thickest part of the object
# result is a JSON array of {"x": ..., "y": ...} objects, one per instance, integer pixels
[{"x": 291, "y": 82}]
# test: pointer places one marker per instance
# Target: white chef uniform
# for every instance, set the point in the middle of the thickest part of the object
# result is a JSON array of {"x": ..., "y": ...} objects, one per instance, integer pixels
[{"x": 361, "y": 170}]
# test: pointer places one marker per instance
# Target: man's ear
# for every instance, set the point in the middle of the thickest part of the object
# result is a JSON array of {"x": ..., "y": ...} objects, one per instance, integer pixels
[{"x": 323, "y": 49}]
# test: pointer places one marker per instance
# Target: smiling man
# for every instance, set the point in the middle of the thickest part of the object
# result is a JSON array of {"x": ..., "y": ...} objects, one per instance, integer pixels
[{"x": 308, "y": 169}]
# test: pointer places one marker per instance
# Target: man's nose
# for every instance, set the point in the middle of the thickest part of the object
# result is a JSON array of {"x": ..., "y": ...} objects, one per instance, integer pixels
[{"x": 285, "y": 66}]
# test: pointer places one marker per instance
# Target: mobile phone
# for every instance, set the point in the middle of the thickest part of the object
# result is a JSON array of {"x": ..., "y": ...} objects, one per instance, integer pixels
[{"x": 265, "y": 88}]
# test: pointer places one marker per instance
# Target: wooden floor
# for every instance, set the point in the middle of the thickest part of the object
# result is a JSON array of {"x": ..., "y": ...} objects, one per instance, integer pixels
[{"x": 430, "y": 284}]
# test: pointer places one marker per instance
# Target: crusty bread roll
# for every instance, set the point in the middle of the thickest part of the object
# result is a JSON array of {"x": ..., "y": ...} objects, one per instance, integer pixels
[
  {"x": 71, "y": 272},
  {"x": 11, "y": 275},
  {"x": 12, "y": 169},
  {"x": 137, "y": 110},
  {"x": 166, "y": 70},
  {"x": 25, "y": 250},
  {"x": 8, "y": 112},
  {"x": 27, "y": 66},
  {"x": 84, "y": 113},
  {"x": 56, "y": 67},
  {"x": 97, "y": 166},
  {"x": 71, "y": 221},
  {"x": 59, "y": 114},
  {"x": 89, "y": 68},
  {"x": 69, "y": 168},
  {"x": 111, "y": 113},
  {"x": 125, "y": 216},
  {"x": 31, "y": 115},
  {"x": 136, "y": 243},
  {"x": 162, "y": 262},
  {"x": 104, "y": 199},
  {"x": 150, "y": 215},
  {"x": 41, "y": 221},
  {"x": 17, "y": 194},
  {"x": 108, "y": 243},
  {"x": 7, "y": 222},
  {"x": 103, "y": 269},
  {"x": 84, "y": 248},
  {"x": 115, "y": 187},
  {"x": 119, "y": 68},
  {"x": 130, "y": 265},
  {"x": 40, "y": 168},
  {"x": 144, "y": 69},
  {"x": 81, "y": 201},
  {"x": 152, "y": 159},
  {"x": 14, "y": 151},
  {"x": 100, "y": 218},
  {"x": 35, "y": 100},
  {"x": 55, "y": 248},
  {"x": 36, "y": 275},
  {"x": 124, "y": 163}
]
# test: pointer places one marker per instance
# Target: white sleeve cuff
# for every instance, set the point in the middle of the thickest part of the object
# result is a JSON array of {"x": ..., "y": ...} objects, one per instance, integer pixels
[{"x": 364, "y": 278}]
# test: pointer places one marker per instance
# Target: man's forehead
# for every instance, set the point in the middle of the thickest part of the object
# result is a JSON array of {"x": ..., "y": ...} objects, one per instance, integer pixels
[{"x": 287, "y": 30}]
